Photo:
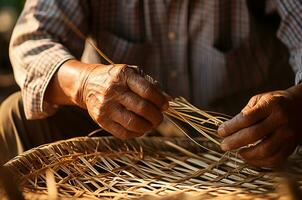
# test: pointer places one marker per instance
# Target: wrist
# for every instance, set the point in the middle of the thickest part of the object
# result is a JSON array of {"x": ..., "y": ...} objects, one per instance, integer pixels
[
  {"x": 78, "y": 95},
  {"x": 66, "y": 85}
]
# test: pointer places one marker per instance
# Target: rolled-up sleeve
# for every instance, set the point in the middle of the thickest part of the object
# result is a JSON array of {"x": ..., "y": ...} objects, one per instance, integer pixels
[
  {"x": 290, "y": 32},
  {"x": 40, "y": 43}
]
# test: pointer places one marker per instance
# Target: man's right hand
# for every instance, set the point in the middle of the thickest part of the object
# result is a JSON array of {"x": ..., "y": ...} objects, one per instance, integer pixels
[{"x": 120, "y": 100}]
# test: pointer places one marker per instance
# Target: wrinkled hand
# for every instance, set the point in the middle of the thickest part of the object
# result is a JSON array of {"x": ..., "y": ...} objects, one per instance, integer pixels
[
  {"x": 121, "y": 101},
  {"x": 274, "y": 120}
]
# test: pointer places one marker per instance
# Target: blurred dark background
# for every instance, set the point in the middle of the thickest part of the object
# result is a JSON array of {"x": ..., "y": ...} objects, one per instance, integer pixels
[{"x": 9, "y": 11}]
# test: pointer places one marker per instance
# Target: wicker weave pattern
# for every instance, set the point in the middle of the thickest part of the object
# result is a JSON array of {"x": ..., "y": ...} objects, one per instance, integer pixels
[{"x": 107, "y": 167}]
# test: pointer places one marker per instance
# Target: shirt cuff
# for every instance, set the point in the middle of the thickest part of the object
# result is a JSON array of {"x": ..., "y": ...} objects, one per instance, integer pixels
[
  {"x": 45, "y": 107},
  {"x": 34, "y": 105},
  {"x": 298, "y": 79}
]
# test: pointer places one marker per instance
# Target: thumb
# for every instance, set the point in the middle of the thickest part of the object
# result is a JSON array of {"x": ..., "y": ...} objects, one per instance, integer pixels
[
  {"x": 258, "y": 107},
  {"x": 251, "y": 104},
  {"x": 256, "y": 110}
]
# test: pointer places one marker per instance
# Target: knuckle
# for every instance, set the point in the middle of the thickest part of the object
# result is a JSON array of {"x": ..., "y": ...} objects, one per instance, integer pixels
[
  {"x": 253, "y": 101},
  {"x": 121, "y": 70},
  {"x": 142, "y": 107},
  {"x": 128, "y": 71},
  {"x": 126, "y": 98},
  {"x": 147, "y": 89},
  {"x": 113, "y": 78},
  {"x": 254, "y": 98},
  {"x": 265, "y": 104},
  {"x": 114, "y": 90}
]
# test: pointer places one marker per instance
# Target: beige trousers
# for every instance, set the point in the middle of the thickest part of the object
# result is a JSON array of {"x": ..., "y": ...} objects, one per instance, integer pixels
[{"x": 18, "y": 134}]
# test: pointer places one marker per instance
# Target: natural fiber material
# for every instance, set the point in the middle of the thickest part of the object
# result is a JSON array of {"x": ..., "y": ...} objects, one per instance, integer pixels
[
  {"x": 93, "y": 168},
  {"x": 204, "y": 122},
  {"x": 111, "y": 168}
]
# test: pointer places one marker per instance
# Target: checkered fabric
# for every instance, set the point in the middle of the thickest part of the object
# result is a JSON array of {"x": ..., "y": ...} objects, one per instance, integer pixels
[{"x": 216, "y": 53}]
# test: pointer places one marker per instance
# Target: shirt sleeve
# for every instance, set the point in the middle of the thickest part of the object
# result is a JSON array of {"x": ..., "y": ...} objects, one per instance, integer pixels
[
  {"x": 290, "y": 32},
  {"x": 40, "y": 43}
]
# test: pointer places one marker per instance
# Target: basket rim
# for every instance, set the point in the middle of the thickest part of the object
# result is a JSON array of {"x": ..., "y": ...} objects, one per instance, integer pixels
[{"x": 101, "y": 138}]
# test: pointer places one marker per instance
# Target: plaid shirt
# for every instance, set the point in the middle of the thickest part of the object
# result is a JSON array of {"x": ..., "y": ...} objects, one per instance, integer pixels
[{"x": 217, "y": 53}]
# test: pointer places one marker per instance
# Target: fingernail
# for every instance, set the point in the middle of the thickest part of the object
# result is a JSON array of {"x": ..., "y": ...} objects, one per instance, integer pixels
[
  {"x": 224, "y": 146},
  {"x": 221, "y": 130}
]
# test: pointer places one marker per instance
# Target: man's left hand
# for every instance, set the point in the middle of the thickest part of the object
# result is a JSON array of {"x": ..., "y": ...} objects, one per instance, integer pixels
[{"x": 272, "y": 121}]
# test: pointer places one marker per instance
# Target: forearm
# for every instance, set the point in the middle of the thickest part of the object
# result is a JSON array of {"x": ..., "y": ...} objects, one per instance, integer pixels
[
  {"x": 40, "y": 43},
  {"x": 64, "y": 86}
]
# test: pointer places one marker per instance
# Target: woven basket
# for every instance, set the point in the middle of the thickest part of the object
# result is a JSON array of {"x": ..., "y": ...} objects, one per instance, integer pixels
[{"x": 145, "y": 168}]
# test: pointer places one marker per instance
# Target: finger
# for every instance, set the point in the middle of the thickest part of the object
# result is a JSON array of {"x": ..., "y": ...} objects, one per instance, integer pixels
[
  {"x": 252, "y": 103},
  {"x": 245, "y": 119},
  {"x": 265, "y": 149},
  {"x": 142, "y": 108},
  {"x": 249, "y": 135},
  {"x": 282, "y": 152},
  {"x": 146, "y": 90},
  {"x": 272, "y": 161},
  {"x": 130, "y": 120},
  {"x": 119, "y": 131},
  {"x": 167, "y": 96}
]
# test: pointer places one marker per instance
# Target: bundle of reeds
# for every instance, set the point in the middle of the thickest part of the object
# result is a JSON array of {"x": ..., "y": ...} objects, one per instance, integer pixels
[{"x": 109, "y": 168}]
